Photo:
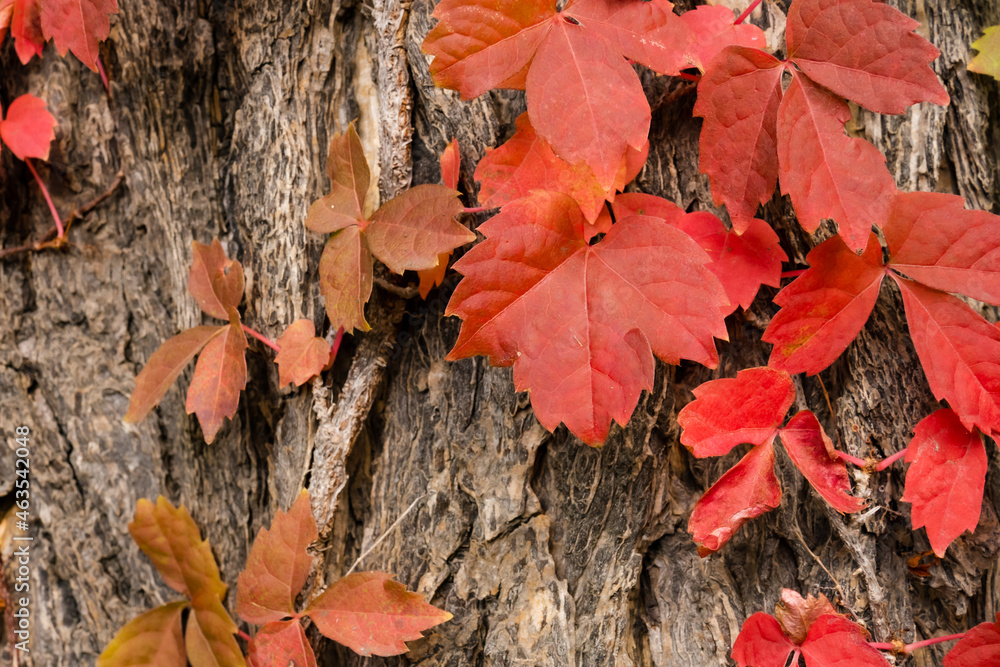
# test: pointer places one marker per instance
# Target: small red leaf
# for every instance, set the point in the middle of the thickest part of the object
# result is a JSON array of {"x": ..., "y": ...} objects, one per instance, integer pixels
[
  {"x": 797, "y": 614},
  {"x": 373, "y": 615},
  {"x": 215, "y": 281},
  {"x": 153, "y": 639},
  {"x": 219, "y": 377},
  {"x": 960, "y": 353},
  {"x": 278, "y": 565},
  {"x": 865, "y": 51},
  {"x": 347, "y": 168},
  {"x": 809, "y": 448},
  {"x": 209, "y": 637},
  {"x": 946, "y": 479},
  {"x": 346, "y": 277},
  {"x": 834, "y": 641},
  {"x": 28, "y": 129},
  {"x": 826, "y": 173},
  {"x": 163, "y": 367},
  {"x": 712, "y": 29},
  {"x": 728, "y": 412},
  {"x": 24, "y": 17},
  {"x": 451, "y": 165},
  {"x": 281, "y": 645},
  {"x": 761, "y": 643},
  {"x": 303, "y": 355},
  {"x": 980, "y": 647},
  {"x": 411, "y": 231},
  {"x": 746, "y": 491},
  {"x": 934, "y": 240},
  {"x": 170, "y": 538},
  {"x": 78, "y": 26},
  {"x": 739, "y": 97},
  {"x": 825, "y": 308}
]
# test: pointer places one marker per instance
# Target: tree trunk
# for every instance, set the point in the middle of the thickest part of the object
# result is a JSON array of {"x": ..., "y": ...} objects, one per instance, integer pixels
[{"x": 546, "y": 551}]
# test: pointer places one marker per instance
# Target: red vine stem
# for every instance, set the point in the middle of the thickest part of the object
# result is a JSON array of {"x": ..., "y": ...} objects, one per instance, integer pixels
[
  {"x": 844, "y": 456},
  {"x": 262, "y": 338},
  {"x": 910, "y": 648},
  {"x": 793, "y": 274},
  {"x": 48, "y": 199},
  {"x": 795, "y": 659},
  {"x": 688, "y": 77},
  {"x": 104, "y": 77},
  {"x": 749, "y": 10},
  {"x": 245, "y": 637},
  {"x": 885, "y": 463},
  {"x": 476, "y": 209}
]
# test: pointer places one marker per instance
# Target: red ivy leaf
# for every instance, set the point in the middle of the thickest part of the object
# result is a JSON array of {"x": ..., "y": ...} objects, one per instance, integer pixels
[
  {"x": 946, "y": 479},
  {"x": 580, "y": 322},
  {"x": 746, "y": 491},
  {"x": 28, "y": 129},
  {"x": 979, "y": 648},
  {"x": 209, "y": 636},
  {"x": 78, "y": 26},
  {"x": 373, "y": 615},
  {"x": 219, "y": 377},
  {"x": 278, "y": 566},
  {"x": 24, "y": 18},
  {"x": 834, "y": 641},
  {"x": 825, "y": 308},
  {"x": 280, "y": 645},
  {"x": 746, "y": 409},
  {"x": 712, "y": 29},
  {"x": 153, "y": 639},
  {"x": 761, "y": 643},
  {"x": 879, "y": 62},
  {"x": 303, "y": 355},
  {"x": 809, "y": 447},
  {"x": 215, "y": 281}
]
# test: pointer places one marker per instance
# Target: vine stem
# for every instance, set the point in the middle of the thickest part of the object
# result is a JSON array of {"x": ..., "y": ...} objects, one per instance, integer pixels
[
  {"x": 747, "y": 12},
  {"x": 261, "y": 337},
  {"x": 104, "y": 77},
  {"x": 688, "y": 77},
  {"x": 793, "y": 274},
  {"x": 245, "y": 637},
  {"x": 885, "y": 463},
  {"x": 910, "y": 648},
  {"x": 475, "y": 209},
  {"x": 48, "y": 199},
  {"x": 795, "y": 659},
  {"x": 844, "y": 456}
]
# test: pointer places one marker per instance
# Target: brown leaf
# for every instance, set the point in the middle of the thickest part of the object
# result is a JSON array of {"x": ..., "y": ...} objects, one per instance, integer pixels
[
  {"x": 303, "y": 354},
  {"x": 219, "y": 377}
]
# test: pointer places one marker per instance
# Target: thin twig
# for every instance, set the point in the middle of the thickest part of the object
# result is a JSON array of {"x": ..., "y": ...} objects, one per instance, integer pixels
[
  {"x": 48, "y": 198},
  {"x": 402, "y": 292},
  {"x": 386, "y": 533}
]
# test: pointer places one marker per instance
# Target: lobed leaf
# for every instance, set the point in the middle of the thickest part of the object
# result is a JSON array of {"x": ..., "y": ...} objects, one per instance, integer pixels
[
  {"x": 350, "y": 178},
  {"x": 24, "y": 18},
  {"x": 980, "y": 647},
  {"x": 712, "y": 30},
  {"x": 746, "y": 409},
  {"x": 988, "y": 60},
  {"x": 744, "y": 492},
  {"x": 834, "y": 641},
  {"x": 169, "y": 537},
  {"x": 163, "y": 367},
  {"x": 219, "y": 377},
  {"x": 215, "y": 281},
  {"x": 796, "y": 614},
  {"x": 373, "y": 615},
  {"x": 28, "y": 129},
  {"x": 209, "y": 636},
  {"x": 153, "y": 639},
  {"x": 278, "y": 565},
  {"x": 303, "y": 355},
  {"x": 279, "y": 645},
  {"x": 761, "y": 643},
  {"x": 78, "y": 26},
  {"x": 946, "y": 478},
  {"x": 346, "y": 277},
  {"x": 811, "y": 451}
]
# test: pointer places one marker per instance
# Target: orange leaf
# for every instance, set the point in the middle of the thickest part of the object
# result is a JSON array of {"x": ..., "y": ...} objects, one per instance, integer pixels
[
  {"x": 281, "y": 644},
  {"x": 430, "y": 278},
  {"x": 277, "y": 566},
  {"x": 349, "y": 180},
  {"x": 219, "y": 377},
  {"x": 163, "y": 367},
  {"x": 209, "y": 637},
  {"x": 345, "y": 278},
  {"x": 215, "y": 281},
  {"x": 303, "y": 354},
  {"x": 451, "y": 165},
  {"x": 373, "y": 615},
  {"x": 153, "y": 639},
  {"x": 170, "y": 538}
]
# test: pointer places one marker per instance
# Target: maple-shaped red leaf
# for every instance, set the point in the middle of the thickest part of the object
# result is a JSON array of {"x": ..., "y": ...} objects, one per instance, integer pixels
[
  {"x": 826, "y": 173},
  {"x": 834, "y": 641},
  {"x": 738, "y": 97},
  {"x": 960, "y": 353},
  {"x": 946, "y": 479},
  {"x": 219, "y": 377},
  {"x": 877, "y": 61},
  {"x": 746, "y": 409},
  {"x": 163, "y": 367},
  {"x": 153, "y": 639},
  {"x": 279, "y": 645},
  {"x": 28, "y": 129},
  {"x": 209, "y": 636},
  {"x": 747, "y": 490},
  {"x": 761, "y": 643},
  {"x": 810, "y": 450},
  {"x": 350, "y": 178},
  {"x": 934, "y": 240},
  {"x": 170, "y": 538},
  {"x": 980, "y": 647},
  {"x": 451, "y": 165},
  {"x": 24, "y": 18},
  {"x": 580, "y": 323},
  {"x": 78, "y": 26},
  {"x": 988, "y": 60},
  {"x": 825, "y": 308},
  {"x": 525, "y": 162},
  {"x": 712, "y": 29},
  {"x": 215, "y": 281},
  {"x": 373, "y": 615},
  {"x": 303, "y": 355},
  {"x": 278, "y": 565},
  {"x": 796, "y": 614}
]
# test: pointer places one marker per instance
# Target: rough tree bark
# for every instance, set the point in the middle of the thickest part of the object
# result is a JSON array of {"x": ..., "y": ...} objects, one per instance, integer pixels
[{"x": 546, "y": 551}]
